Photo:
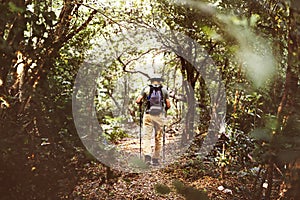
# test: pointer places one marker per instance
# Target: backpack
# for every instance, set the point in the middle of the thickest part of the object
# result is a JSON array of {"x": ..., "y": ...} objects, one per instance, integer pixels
[{"x": 155, "y": 101}]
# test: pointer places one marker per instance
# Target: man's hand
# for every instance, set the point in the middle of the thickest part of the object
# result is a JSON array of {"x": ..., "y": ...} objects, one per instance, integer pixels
[{"x": 139, "y": 100}]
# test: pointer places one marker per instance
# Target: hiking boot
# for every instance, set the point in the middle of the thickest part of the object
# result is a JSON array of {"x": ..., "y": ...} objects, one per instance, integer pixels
[
  {"x": 155, "y": 162},
  {"x": 147, "y": 159}
]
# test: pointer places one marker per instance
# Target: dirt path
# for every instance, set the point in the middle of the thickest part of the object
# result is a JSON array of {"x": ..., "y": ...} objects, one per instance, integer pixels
[{"x": 130, "y": 146}]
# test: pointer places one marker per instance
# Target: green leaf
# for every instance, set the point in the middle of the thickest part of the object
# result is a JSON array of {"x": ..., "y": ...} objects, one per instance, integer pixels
[
  {"x": 189, "y": 192},
  {"x": 262, "y": 134},
  {"x": 162, "y": 189},
  {"x": 253, "y": 19},
  {"x": 272, "y": 122},
  {"x": 138, "y": 164},
  {"x": 15, "y": 9}
]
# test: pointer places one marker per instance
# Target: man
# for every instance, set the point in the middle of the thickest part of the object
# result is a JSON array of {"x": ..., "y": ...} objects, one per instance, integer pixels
[{"x": 157, "y": 103}]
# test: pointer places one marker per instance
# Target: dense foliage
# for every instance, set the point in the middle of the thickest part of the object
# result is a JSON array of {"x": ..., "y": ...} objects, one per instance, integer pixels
[{"x": 254, "y": 46}]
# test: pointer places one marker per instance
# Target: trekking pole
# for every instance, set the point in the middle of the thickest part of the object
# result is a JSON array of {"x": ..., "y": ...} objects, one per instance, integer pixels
[
  {"x": 140, "y": 109},
  {"x": 164, "y": 136}
]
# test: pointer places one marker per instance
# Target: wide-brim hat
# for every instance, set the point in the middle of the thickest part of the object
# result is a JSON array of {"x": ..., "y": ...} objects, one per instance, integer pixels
[{"x": 158, "y": 79}]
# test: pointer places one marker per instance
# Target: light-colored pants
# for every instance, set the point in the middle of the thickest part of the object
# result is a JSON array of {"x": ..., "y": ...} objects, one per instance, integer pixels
[{"x": 151, "y": 122}]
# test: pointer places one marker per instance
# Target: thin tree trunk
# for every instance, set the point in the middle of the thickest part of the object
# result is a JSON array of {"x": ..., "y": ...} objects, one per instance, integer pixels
[
  {"x": 287, "y": 105},
  {"x": 190, "y": 74}
]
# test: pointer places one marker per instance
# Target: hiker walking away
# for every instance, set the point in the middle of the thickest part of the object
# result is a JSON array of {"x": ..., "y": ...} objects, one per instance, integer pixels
[{"x": 156, "y": 100}]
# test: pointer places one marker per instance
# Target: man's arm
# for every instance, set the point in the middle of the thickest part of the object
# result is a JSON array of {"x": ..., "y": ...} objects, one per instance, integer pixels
[
  {"x": 167, "y": 100},
  {"x": 168, "y": 103},
  {"x": 139, "y": 99}
]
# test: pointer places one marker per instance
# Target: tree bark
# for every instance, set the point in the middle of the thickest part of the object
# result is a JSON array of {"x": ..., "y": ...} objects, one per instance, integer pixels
[
  {"x": 287, "y": 106},
  {"x": 191, "y": 75},
  {"x": 14, "y": 27}
]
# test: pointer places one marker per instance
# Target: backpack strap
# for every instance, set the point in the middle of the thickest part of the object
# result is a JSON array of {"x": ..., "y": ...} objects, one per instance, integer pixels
[
  {"x": 150, "y": 92},
  {"x": 162, "y": 94},
  {"x": 162, "y": 97},
  {"x": 148, "y": 97}
]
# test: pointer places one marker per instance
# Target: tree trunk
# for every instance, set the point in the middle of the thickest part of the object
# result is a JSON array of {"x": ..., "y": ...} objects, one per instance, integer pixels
[
  {"x": 191, "y": 75},
  {"x": 287, "y": 106},
  {"x": 14, "y": 27}
]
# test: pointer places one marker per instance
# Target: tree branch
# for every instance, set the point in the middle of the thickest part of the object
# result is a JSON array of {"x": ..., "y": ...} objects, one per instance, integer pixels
[
  {"x": 83, "y": 26},
  {"x": 134, "y": 59}
]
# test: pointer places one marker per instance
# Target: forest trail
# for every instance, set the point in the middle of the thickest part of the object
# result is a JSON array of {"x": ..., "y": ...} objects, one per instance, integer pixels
[
  {"x": 198, "y": 177},
  {"x": 96, "y": 183},
  {"x": 130, "y": 145}
]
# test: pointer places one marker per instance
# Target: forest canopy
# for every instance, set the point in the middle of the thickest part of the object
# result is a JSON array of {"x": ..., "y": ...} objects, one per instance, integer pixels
[{"x": 70, "y": 72}]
